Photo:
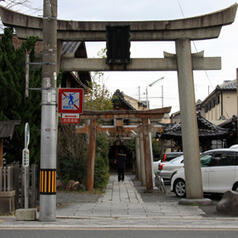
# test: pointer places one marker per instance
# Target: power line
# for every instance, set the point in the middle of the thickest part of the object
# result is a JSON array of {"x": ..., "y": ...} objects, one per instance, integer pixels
[{"x": 194, "y": 45}]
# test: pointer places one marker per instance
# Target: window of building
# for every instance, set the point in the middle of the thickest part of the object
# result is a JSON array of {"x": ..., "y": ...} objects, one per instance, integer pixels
[{"x": 215, "y": 144}]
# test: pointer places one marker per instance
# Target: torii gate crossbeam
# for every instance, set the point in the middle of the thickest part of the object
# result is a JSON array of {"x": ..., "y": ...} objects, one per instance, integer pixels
[{"x": 195, "y": 28}]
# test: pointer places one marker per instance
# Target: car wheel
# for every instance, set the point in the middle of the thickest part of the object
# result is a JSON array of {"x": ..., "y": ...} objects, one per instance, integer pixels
[
  {"x": 180, "y": 188},
  {"x": 235, "y": 187}
]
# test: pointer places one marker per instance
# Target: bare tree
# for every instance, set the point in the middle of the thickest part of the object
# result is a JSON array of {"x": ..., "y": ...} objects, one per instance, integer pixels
[
  {"x": 19, "y": 4},
  {"x": 12, "y": 3},
  {"x": 24, "y": 6}
]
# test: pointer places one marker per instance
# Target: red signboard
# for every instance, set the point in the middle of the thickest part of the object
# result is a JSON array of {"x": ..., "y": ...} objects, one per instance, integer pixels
[
  {"x": 70, "y": 118},
  {"x": 70, "y": 100}
]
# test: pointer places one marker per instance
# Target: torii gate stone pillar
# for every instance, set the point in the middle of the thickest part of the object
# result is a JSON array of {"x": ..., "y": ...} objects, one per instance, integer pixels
[
  {"x": 181, "y": 31},
  {"x": 188, "y": 119}
]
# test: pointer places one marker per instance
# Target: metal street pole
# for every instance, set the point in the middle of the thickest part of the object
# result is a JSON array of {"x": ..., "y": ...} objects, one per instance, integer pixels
[
  {"x": 147, "y": 99},
  {"x": 150, "y": 85},
  {"x": 48, "y": 113}
]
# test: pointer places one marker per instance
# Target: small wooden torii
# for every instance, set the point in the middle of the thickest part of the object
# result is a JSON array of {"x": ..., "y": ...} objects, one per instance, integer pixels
[{"x": 144, "y": 127}]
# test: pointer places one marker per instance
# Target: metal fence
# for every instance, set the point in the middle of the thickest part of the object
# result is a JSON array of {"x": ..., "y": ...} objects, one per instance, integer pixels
[{"x": 11, "y": 178}]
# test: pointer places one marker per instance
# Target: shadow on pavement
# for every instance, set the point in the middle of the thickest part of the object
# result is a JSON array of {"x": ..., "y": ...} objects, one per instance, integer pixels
[{"x": 156, "y": 196}]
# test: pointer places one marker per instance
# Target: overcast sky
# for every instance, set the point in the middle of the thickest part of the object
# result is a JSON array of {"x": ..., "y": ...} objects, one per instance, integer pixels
[{"x": 225, "y": 46}]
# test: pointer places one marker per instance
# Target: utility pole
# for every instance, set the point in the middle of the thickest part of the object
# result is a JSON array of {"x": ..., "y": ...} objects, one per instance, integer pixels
[
  {"x": 147, "y": 98},
  {"x": 48, "y": 113}
]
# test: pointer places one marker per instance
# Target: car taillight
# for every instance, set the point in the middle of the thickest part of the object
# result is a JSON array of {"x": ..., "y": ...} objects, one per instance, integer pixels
[
  {"x": 164, "y": 157},
  {"x": 161, "y": 166}
]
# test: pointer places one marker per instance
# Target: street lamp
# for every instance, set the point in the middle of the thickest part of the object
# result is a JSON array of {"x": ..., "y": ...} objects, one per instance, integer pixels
[{"x": 150, "y": 85}]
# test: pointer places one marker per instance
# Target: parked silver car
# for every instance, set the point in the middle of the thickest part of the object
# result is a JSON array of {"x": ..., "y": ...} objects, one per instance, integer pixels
[
  {"x": 167, "y": 169},
  {"x": 167, "y": 156}
]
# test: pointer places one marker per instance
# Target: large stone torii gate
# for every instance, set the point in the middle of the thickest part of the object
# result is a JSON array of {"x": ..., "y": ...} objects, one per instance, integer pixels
[{"x": 181, "y": 31}]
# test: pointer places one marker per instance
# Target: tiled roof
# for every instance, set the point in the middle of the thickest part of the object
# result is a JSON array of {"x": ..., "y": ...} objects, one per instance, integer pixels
[
  {"x": 229, "y": 123},
  {"x": 205, "y": 128},
  {"x": 69, "y": 47},
  {"x": 7, "y": 128},
  {"x": 228, "y": 85},
  {"x": 120, "y": 99}
]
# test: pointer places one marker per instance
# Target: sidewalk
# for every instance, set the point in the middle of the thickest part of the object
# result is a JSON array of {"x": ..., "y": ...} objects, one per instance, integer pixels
[{"x": 125, "y": 205}]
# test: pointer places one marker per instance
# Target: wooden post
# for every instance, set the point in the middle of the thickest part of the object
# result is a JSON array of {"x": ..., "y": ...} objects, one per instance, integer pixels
[
  {"x": 1, "y": 153},
  {"x": 1, "y": 181},
  {"x": 91, "y": 154},
  {"x": 138, "y": 158},
  {"x": 142, "y": 160},
  {"x": 147, "y": 155},
  {"x": 16, "y": 183}
]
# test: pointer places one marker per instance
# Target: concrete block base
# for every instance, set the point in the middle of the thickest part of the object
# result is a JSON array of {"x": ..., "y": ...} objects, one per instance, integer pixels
[
  {"x": 196, "y": 202},
  {"x": 26, "y": 214}
]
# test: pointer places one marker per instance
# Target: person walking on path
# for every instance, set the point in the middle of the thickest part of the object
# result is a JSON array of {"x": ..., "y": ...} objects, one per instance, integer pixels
[{"x": 121, "y": 165}]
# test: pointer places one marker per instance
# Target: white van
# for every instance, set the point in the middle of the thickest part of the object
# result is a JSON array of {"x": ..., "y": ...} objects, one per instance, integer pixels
[{"x": 219, "y": 173}]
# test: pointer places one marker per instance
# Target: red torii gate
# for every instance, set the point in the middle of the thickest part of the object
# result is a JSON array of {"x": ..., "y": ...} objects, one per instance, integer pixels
[{"x": 144, "y": 127}]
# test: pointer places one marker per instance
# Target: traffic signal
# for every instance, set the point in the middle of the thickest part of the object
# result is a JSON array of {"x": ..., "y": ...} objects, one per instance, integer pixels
[{"x": 118, "y": 45}]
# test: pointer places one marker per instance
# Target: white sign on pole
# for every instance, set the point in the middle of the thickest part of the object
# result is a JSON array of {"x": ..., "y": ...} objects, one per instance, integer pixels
[
  {"x": 25, "y": 157},
  {"x": 27, "y": 135}
]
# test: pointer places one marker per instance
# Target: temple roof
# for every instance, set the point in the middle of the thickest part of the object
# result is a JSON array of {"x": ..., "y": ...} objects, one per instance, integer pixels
[
  {"x": 119, "y": 101},
  {"x": 205, "y": 128},
  {"x": 228, "y": 85}
]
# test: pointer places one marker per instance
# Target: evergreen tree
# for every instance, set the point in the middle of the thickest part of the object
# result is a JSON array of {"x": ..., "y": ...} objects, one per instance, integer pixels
[{"x": 13, "y": 104}]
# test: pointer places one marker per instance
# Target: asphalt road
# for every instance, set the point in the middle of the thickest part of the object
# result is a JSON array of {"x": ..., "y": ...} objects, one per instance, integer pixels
[{"x": 119, "y": 233}]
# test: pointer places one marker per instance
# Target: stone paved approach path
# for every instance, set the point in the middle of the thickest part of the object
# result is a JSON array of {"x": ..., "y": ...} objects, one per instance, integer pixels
[
  {"x": 124, "y": 206},
  {"x": 124, "y": 199}
]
